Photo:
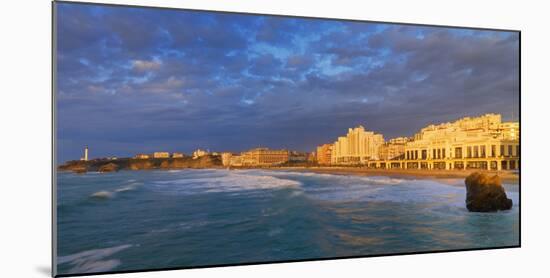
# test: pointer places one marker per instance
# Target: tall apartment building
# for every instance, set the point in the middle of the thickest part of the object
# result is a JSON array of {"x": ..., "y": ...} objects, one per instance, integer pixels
[{"x": 357, "y": 147}]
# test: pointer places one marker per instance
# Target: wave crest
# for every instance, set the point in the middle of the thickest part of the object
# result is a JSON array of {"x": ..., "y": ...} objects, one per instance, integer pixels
[
  {"x": 102, "y": 195},
  {"x": 230, "y": 182},
  {"x": 93, "y": 260}
]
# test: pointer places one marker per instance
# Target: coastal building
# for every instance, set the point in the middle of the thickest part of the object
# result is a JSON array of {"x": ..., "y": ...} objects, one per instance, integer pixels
[
  {"x": 295, "y": 156},
  {"x": 264, "y": 157},
  {"x": 312, "y": 157},
  {"x": 177, "y": 155},
  {"x": 226, "y": 158},
  {"x": 324, "y": 154},
  {"x": 141, "y": 156},
  {"x": 161, "y": 155},
  {"x": 199, "y": 153},
  {"x": 483, "y": 142},
  {"x": 357, "y": 147},
  {"x": 393, "y": 149},
  {"x": 235, "y": 160}
]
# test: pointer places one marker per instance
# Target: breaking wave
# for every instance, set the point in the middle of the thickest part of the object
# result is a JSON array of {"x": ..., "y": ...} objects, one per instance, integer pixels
[
  {"x": 226, "y": 182},
  {"x": 93, "y": 260},
  {"x": 102, "y": 195},
  {"x": 129, "y": 187},
  {"x": 106, "y": 194}
]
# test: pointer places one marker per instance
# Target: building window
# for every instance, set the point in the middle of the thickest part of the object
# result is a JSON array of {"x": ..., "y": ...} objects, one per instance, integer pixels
[
  {"x": 517, "y": 150},
  {"x": 424, "y": 154},
  {"x": 459, "y": 165},
  {"x": 501, "y": 150},
  {"x": 434, "y": 154},
  {"x": 469, "y": 152},
  {"x": 476, "y": 151},
  {"x": 493, "y": 150},
  {"x": 443, "y": 153},
  {"x": 504, "y": 165},
  {"x": 458, "y": 152},
  {"x": 510, "y": 150},
  {"x": 482, "y": 151},
  {"x": 415, "y": 154}
]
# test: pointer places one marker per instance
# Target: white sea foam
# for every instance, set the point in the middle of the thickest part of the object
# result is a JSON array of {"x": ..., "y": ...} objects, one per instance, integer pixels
[
  {"x": 274, "y": 231},
  {"x": 125, "y": 188},
  {"x": 385, "y": 189},
  {"x": 368, "y": 180},
  {"x": 296, "y": 193},
  {"x": 102, "y": 195},
  {"x": 129, "y": 187},
  {"x": 228, "y": 182},
  {"x": 174, "y": 171},
  {"x": 93, "y": 260},
  {"x": 329, "y": 187}
]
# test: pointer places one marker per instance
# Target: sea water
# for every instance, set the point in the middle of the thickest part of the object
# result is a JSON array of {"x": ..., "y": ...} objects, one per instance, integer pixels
[{"x": 135, "y": 220}]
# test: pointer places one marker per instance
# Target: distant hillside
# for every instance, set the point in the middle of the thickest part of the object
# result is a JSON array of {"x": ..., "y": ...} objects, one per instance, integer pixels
[{"x": 107, "y": 165}]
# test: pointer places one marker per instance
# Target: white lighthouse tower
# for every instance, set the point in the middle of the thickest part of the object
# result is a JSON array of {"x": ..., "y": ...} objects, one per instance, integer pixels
[{"x": 86, "y": 153}]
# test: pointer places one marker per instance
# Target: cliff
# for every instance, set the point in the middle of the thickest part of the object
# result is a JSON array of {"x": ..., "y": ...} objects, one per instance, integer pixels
[{"x": 106, "y": 165}]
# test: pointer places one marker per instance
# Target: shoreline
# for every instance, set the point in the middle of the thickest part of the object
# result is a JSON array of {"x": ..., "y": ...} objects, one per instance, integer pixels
[
  {"x": 129, "y": 164},
  {"x": 505, "y": 176}
]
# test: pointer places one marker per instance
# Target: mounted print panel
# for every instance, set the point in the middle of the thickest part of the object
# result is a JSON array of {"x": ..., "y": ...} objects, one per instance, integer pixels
[{"x": 188, "y": 138}]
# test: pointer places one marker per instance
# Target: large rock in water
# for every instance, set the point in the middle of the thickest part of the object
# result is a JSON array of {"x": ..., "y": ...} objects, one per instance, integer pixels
[
  {"x": 485, "y": 193},
  {"x": 109, "y": 167}
]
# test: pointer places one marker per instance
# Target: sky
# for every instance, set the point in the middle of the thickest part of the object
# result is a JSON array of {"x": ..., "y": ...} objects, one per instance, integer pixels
[{"x": 139, "y": 80}]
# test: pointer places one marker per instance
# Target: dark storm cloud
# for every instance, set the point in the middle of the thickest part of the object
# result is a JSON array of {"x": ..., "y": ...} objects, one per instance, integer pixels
[{"x": 137, "y": 80}]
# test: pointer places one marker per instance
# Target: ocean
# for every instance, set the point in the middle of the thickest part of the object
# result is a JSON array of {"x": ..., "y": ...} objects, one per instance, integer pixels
[{"x": 137, "y": 220}]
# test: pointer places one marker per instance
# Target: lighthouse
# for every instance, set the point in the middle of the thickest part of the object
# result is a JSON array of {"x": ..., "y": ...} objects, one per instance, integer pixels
[{"x": 86, "y": 153}]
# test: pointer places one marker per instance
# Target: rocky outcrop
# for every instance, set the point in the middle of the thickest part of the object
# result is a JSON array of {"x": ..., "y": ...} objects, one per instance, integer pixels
[
  {"x": 141, "y": 164},
  {"x": 106, "y": 165},
  {"x": 80, "y": 170},
  {"x": 485, "y": 193},
  {"x": 78, "y": 167},
  {"x": 199, "y": 163},
  {"x": 109, "y": 167}
]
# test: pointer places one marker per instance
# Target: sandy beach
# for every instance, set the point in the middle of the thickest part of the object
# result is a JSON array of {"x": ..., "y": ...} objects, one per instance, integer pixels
[{"x": 506, "y": 176}]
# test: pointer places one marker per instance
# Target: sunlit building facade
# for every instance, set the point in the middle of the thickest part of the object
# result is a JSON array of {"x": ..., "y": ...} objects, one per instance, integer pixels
[
  {"x": 226, "y": 158},
  {"x": 324, "y": 154},
  {"x": 161, "y": 155},
  {"x": 393, "y": 149},
  {"x": 357, "y": 147},
  {"x": 264, "y": 157},
  {"x": 177, "y": 155},
  {"x": 141, "y": 156},
  {"x": 482, "y": 142},
  {"x": 199, "y": 153}
]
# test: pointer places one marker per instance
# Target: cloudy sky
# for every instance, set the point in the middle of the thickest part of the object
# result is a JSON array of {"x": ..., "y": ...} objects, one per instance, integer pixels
[{"x": 133, "y": 80}]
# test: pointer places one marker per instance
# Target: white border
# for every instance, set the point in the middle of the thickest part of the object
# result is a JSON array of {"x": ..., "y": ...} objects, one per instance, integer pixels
[{"x": 26, "y": 142}]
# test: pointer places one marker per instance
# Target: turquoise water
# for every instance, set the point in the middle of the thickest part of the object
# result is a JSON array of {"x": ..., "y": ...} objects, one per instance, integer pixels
[{"x": 134, "y": 220}]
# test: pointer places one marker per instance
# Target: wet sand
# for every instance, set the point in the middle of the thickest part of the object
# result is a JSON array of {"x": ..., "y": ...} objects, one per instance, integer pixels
[{"x": 506, "y": 176}]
